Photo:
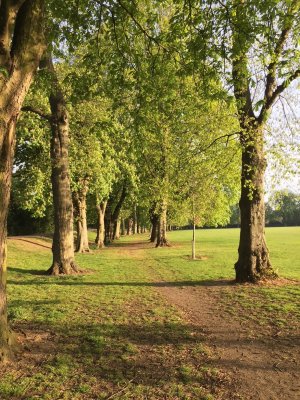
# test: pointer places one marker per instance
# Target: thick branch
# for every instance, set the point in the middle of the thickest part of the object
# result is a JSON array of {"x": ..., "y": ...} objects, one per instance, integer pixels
[
  {"x": 227, "y": 136},
  {"x": 8, "y": 11},
  {"x": 28, "y": 38},
  {"x": 271, "y": 76},
  {"x": 272, "y": 90},
  {"x": 38, "y": 112},
  {"x": 278, "y": 90}
]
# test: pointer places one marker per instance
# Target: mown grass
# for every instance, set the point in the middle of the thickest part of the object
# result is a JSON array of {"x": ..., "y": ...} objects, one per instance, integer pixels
[
  {"x": 274, "y": 305},
  {"x": 109, "y": 334},
  {"x": 106, "y": 334}
]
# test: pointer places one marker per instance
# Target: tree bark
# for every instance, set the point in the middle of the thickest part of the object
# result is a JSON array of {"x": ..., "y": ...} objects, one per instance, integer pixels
[
  {"x": 63, "y": 239},
  {"x": 154, "y": 219},
  {"x": 154, "y": 229},
  {"x": 123, "y": 228},
  {"x": 79, "y": 202},
  {"x": 162, "y": 227},
  {"x": 112, "y": 215},
  {"x": 6, "y": 163},
  {"x": 253, "y": 262},
  {"x": 117, "y": 210},
  {"x": 21, "y": 47},
  {"x": 100, "y": 238},
  {"x": 135, "y": 221},
  {"x": 117, "y": 228},
  {"x": 129, "y": 226}
]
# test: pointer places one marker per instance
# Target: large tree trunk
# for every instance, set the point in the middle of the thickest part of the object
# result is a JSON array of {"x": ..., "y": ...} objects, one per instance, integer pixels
[
  {"x": 154, "y": 219},
  {"x": 100, "y": 238},
  {"x": 162, "y": 227},
  {"x": 79, "y": 202},
  {"x": 253, "y": 263},
  {"x": 6, "y": 162},
  {"x": 21, "y": 47},
  {"x": 63, "y": 239},
  {"x": 154, "y": 228}
]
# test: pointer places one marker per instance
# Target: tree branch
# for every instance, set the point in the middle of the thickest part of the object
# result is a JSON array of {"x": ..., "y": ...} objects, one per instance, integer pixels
[
  {"x": 28, "y": 42},
  {"x": 142, "y": 29},
  {"x": 8, "y": 12},
  {"x": 38, "y": 112},
  {"x": 280, "y": 88},
  {"x": 272, "y": 90},
  {"x": 276, "y": 92}
]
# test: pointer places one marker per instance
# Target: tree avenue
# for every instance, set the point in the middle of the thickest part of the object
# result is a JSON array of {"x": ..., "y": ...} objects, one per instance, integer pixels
[{"x": 138, "y": 118}]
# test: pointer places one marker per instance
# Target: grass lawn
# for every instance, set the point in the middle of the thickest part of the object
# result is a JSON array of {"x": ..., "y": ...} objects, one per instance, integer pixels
[
  {"x": 109, "y": 334},
  {"x": 278, "y": 305}
]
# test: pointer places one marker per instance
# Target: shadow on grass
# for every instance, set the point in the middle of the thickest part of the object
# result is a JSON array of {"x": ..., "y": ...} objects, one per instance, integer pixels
[
  {"x": 150, "y": 354},
  {"x": 28, "y": 271},
  {"x": 145, "y": 244},
  {"x": 69, "y": 281}
]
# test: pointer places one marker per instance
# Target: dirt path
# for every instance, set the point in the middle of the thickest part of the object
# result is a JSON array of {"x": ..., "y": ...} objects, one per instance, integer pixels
[{"x": 263, "y": 365}]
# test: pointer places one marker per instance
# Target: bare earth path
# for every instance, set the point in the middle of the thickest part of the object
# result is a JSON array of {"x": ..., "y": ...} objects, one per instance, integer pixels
[
  {"x": 263, "y": 364},
  {"x": 264, "y": 367}
]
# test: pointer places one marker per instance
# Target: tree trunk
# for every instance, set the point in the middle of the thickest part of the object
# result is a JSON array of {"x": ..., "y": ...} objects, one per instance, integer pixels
[
  {"x": 129, "y": 226},
  {"x": 117, "y": 228},
  {"x": 162, "y": 227},
  {"x": 154, "y": 229},
  {"x": 253, "y": 263},
  {"x": 100, "y": 239},
  {"x": 112, "y": 215},
  {"x": 135, "y": 221},
  {"x": 79, "y": 202},
  {"x": 123, "y": 228},
  {"x": 154, "y": 219},
  {"x": 21, "y": 47},
  {"x": 194, "y": 242},
  {"x": 117, "y": 210},
  {"x": 63, "y": 239},
  {"x": 6, "y": 162}
]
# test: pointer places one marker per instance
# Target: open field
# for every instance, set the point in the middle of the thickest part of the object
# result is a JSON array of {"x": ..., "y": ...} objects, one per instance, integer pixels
[{"x": 146, "y": 323}]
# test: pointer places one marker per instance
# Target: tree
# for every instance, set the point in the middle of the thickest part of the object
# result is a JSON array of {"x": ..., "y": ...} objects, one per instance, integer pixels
[
  {"x": 63, "y": 239},
  {"x": 284, "y": 208},
  {"x": 277, "y": 44},
  {"x": 253, "y": 46},
  {"x": 21, "y": 47}
]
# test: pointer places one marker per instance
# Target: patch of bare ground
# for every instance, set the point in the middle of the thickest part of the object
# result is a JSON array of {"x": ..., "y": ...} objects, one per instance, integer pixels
[{"x": 262, "y": 361}]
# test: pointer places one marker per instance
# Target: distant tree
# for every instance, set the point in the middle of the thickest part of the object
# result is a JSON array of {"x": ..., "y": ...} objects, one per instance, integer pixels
[
  {"x": 284, "y": 208},
  {"x": 235, "y": 215}
]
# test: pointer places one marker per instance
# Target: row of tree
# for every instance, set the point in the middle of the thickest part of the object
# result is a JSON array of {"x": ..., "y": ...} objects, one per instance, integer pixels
[{"x": 147, "y": 101}]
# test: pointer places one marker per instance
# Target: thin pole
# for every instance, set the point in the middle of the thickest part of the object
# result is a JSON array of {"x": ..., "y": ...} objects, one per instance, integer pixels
[{"x": 194, "y": 232}]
